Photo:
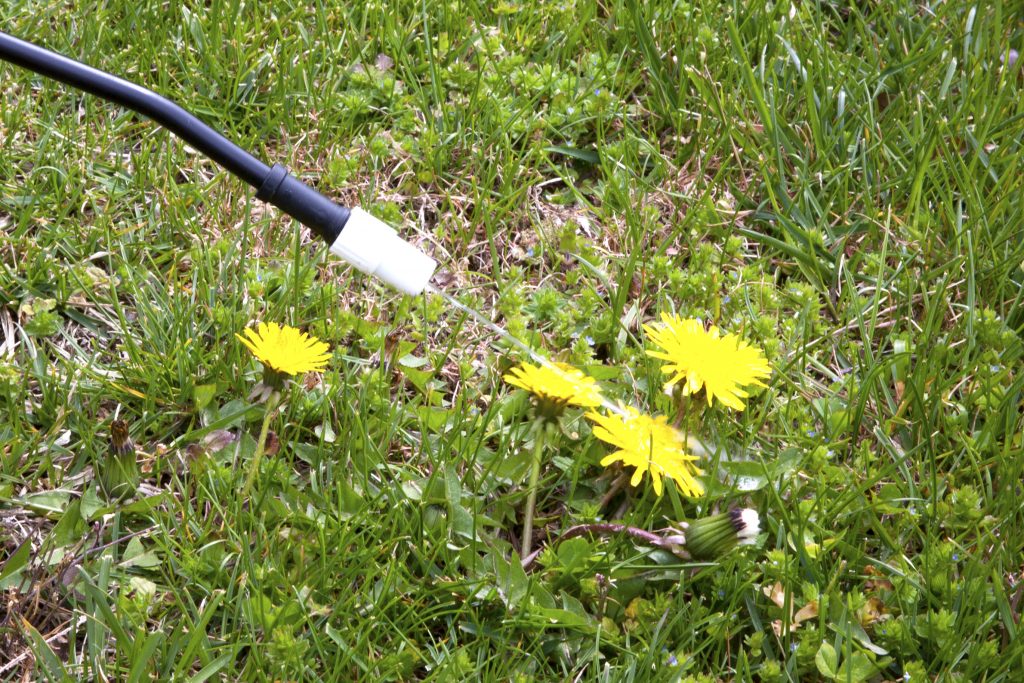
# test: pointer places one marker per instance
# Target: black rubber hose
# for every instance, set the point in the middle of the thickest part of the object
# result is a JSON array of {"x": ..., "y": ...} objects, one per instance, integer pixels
[{"x": 273, "y": 185}]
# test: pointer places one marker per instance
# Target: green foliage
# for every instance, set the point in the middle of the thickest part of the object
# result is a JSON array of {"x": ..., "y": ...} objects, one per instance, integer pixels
[{"x": 838, "y": 182}]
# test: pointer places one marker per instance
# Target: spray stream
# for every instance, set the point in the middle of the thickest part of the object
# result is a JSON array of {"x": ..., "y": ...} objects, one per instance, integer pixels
[
  {"x": 503, "y": 334},
  {"x": 693, "y": 444}
]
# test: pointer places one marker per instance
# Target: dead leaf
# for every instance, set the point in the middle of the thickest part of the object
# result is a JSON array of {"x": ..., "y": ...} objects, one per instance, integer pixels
[
  {"x": 218, "y": 440},
  {"x": 776, "y": 594},
  {"x": 872, "y": 611},
  {"x": 879, "y": 584},
  {"x": 808, "y": 611},
  {"x": 273, "y": 444}
]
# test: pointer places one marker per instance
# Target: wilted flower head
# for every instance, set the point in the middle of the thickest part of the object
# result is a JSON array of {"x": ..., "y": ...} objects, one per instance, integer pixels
[{"x": 117, "y": 472}]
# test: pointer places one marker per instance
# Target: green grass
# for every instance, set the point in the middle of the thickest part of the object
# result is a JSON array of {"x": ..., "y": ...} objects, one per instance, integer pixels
[{"x": 842, "y": 182}]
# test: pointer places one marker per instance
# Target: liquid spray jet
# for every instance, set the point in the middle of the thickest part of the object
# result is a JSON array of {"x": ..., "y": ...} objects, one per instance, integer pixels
[{"x": 367, "y": 243}]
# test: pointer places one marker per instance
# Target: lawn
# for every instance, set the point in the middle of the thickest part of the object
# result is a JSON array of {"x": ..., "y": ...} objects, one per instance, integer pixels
[{"x": 840, "y": 184}]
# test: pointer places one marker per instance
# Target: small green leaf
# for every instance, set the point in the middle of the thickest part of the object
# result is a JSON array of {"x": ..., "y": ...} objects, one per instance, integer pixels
[
  {"x": 748, "y": 476},
  {"x": 203, "y": 394},
  {"x": 590, "y": 156},
  {"x": 426, "y": 489},
  {"x": 142, "y": 587},
  {"x": 511, "y": 581},
  {"x": 603, "y": 372},
  {"x": 419, "y": 378},
  {"x": 411, "y": 361},
  {"x": 136, "y": 555},
  {"x": 574, "y": 554},
  {"x": 258, "y": 611},
  {"x": 433, "y": 418},
  {"x": 571, "y": 604},
  {"x": 856, "y": 669},
  {"x": 70, "y": 528},
  {"x": 326, "y": 432},
  {"x": 93, "y": 507},
  {"x": 144, "y": 505},
  {"x": 350, "y": 499},
  {"x": 452, "y": 485},
  {"x": 40, "y": 317},
  {"x": 15, "y": 563},
  {"x": 461, "y": 520},
  {"x": 46, "y": 501},
  {"x": 827, "y": 661},
  {"x": 561, "y": 617}
]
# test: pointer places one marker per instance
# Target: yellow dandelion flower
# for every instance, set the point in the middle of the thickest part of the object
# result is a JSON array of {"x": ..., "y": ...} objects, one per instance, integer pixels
[
  {"x": 555, "y": 386},
  {"x": 648, "y": 444},
  {"x": 285, "y": 349},
  {"x": 698, "y": 358}
]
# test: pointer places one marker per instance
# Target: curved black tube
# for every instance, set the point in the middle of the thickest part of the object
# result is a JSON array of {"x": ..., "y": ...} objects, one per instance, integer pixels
[
  {"x": 274, "y": 185},
  {"x": 146, "y": 102}
]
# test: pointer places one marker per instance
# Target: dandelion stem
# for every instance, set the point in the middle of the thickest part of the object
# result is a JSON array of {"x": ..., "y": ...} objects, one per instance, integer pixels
[
  {"x": 605, "y": 529},
  {"x": 682, "y": 403},
  {"x": 531, "y": 498},
  {"x": 261, "y": 443},
  {"x": 617, "y": 485}
]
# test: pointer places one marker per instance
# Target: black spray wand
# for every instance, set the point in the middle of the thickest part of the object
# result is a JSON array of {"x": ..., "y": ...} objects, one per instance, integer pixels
[{"x": 367, "y": 243}]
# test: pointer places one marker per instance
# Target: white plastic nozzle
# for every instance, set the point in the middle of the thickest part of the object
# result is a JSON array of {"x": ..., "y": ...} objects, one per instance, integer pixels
[{"x": 374, "y": 247}]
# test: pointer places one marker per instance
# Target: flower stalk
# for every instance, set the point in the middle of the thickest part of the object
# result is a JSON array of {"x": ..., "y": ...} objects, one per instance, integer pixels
[
  {"x": 283, "y": 351},
  {"x": 531, "y": 496},
  {"x": 553, "y": 387},
  {"x": 705, "y": 539},
  {"x": 254, "y": 467}
]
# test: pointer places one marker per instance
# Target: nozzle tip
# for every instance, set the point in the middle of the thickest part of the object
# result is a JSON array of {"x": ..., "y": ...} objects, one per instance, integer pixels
[{"x": 374, "y": 247}]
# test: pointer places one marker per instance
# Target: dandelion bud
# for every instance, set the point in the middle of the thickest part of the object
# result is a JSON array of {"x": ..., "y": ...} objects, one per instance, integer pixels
[
  {"x": 118, "y": 472},
  {"x": 712, "y": 537}
]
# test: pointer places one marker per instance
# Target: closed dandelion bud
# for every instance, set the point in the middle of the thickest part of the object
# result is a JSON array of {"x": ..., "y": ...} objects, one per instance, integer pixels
[
  {"x": 712, "y": 537},
  {"x": 118, "y": 472}
]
